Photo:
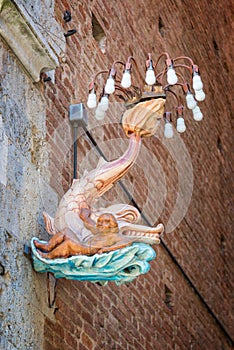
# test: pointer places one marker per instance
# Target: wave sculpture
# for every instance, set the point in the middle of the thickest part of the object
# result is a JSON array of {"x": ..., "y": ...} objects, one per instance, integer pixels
[{"x": 105, "y": 244}]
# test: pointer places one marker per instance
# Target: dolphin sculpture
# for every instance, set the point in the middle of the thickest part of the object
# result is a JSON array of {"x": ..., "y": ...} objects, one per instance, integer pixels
[{"x": 78, "y": 227}]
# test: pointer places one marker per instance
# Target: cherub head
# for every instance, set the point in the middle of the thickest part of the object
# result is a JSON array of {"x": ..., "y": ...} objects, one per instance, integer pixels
[{"x": 107, "y": 223}]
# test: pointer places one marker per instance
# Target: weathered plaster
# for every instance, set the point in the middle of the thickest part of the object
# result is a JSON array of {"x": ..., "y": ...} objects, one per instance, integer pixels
[{"x": 20, "y": 33}]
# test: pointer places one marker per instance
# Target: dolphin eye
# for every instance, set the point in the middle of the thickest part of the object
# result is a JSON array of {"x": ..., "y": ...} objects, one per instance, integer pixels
[
  {"x": 129, "y": 133},
  {"x": 99, "y": 185}
]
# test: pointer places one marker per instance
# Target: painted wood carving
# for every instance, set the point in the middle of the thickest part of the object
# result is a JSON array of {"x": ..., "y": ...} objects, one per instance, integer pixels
[{"x": 104, "y": 244}]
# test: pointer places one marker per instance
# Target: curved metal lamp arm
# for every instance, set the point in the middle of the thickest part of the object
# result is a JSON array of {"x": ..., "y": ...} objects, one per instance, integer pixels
[
  {"x": 184, "y": 58},
  {"x": 92, "y": 83},
  {"x": 159, "y": 58}
]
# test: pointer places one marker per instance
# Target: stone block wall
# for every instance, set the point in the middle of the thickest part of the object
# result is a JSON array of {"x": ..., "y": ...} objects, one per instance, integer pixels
[
  {"x": 24, "y": 193},
  {"x": 184, "y": 302},
  {"x": 22, "y": 115}
]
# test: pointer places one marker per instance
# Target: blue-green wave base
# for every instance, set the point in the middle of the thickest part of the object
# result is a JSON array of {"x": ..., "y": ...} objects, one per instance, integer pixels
[{"x": 120, "y": 266}]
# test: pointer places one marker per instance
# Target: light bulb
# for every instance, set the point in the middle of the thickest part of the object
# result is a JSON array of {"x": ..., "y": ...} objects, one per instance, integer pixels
[
  {"x": 150, "y": 78},
  {"x": 197, "y": 114},
  {"x": 200, "y": 95},
  {"x": 126, "y": 79},
  {"x": 171, "y": 76},
  {"x": 180, "y": 125},
  {"x": 99, "y": 113},
  {"x": 110, "y": 86},
  {"x": 103, "y": 104},
  {"x": 191, "y": 103},
  {"x": 92, "y": 100},
  {"x": 168, "y": 130},
  {"x": 197, "y": 83}
]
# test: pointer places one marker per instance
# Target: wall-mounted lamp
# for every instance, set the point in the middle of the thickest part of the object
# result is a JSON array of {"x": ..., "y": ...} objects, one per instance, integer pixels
[
  {"x": 159, "y": 83},
  {"x": 108, "y": 244}
]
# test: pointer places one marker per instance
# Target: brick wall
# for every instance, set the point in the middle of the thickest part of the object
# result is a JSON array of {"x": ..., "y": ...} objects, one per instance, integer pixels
[{"x": 161, "y": 310}]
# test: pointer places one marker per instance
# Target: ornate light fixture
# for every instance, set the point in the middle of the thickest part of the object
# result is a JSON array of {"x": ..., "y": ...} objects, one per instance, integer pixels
[
  {"x": 159, "y": 83},
  {"x": 108, "y": 244}
]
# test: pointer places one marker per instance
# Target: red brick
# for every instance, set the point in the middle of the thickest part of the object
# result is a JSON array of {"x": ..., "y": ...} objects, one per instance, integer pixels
[
  {"x": 136, "y": 316},
  {"x": 48, "y": 346},
  {"x": 86, "y": 341},
  {"x": 70, "y": 340}
]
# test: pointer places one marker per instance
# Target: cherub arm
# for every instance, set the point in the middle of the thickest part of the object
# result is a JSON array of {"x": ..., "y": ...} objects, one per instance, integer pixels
[{"x": 90, "y": 224}]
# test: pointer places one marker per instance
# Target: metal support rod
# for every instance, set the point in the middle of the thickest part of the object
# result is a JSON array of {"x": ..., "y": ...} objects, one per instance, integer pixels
[{"x": 75, "y": 153}]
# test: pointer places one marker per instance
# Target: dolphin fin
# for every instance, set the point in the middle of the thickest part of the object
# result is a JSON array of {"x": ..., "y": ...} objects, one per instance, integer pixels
[{"x": 49, "y": 223}]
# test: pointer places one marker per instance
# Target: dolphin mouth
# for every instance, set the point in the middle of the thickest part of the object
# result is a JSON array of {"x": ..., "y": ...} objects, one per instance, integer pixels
[
  {"x": 144, "y": 237},
  {"x": 140, "y": 234}
]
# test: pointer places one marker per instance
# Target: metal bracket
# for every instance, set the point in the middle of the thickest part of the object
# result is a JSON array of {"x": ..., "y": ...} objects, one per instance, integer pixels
[
  {"x": 78, "y": 115},
  {"x": 28, "y": 252},
  {"x": 51, "y": 290},
  {"x": 51, "y": 280}
]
